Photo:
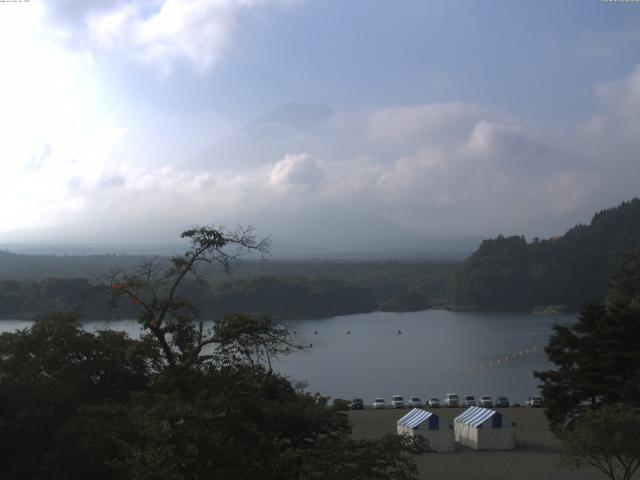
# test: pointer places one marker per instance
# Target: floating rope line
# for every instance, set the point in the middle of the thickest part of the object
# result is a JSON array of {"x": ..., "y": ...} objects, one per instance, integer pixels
[{"x": 503, "y": 359}]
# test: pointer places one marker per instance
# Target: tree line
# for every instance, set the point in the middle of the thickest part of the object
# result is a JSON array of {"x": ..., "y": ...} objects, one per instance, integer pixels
[
  {"x": 570, "y": 270},
  {"x": 504, "y": 272},
  {"x": 353, "y": 290}
]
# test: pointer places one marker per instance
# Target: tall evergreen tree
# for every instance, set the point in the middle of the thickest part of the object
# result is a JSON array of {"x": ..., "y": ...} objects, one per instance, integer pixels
[{"x": 597, "y": 359}]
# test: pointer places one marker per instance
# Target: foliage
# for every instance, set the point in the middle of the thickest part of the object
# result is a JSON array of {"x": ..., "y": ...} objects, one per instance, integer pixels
[
  {"x": 597, "y": 359},
  {"x": 284, "y": 290},
  {"x": 252, "y": 341},
  {"x": 172, "y": 321},
  {"x": 570, "y": 270},
  {"x": 389, "y": 457},
  {"x": 608, "y": 439},
  {"x": 48, "y": 372},
  {"x": 180, "y": 403}
]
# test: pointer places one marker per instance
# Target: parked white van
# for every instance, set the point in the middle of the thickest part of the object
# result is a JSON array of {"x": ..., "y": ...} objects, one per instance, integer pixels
[
  {"x": 451, "y": 400},
  {"x": 397, "y": 401}
]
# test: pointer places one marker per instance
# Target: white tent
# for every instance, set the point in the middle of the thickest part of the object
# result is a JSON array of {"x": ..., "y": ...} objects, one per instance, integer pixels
[
  {"x": 484, "y": 429},
  {"x": 427, "y": 425}
]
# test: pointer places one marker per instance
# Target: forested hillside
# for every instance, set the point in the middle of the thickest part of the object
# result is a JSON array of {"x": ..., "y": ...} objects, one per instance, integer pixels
[
  {"x": 505, "y": 272},
  {"x": 570, "y": 270},
  {"x": 284, "y": 290}
]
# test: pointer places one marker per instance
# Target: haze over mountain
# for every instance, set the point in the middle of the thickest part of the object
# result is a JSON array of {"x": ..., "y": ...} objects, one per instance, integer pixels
[
  {"x": 125, "y": 122},
  {"x": 289, "y": 129},
  {"x": 316, "y": 233}
]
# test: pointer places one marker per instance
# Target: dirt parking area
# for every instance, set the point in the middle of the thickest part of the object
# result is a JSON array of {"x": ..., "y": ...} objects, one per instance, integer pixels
[{"x": 536, "y": 458}]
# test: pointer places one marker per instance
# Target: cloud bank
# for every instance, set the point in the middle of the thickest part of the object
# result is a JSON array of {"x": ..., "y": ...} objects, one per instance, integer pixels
[
  {"x": 445, "y": 169},
  {"x": 161, "y": 33}
]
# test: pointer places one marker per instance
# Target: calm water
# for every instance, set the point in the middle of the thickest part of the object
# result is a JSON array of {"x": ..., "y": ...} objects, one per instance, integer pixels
[{"x": 436, "y": 352}]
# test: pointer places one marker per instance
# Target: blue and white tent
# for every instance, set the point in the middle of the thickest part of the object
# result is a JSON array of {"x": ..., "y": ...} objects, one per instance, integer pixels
[
  {"x": 484, "y": 429},
  {"x": 427, "y": 424}
]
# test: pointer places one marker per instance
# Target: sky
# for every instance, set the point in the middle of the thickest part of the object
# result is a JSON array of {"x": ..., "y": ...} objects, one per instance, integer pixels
[{"x": 445, "y": 117}]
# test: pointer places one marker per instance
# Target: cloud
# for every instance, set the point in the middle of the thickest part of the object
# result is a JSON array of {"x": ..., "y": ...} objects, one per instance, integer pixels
[
  {"x": 462, "y": 168},
  {"x": 490, "y": 139},
  {"x": 161, "y": 33},
  {"x": 297, "y": 171},
  {"x": 139, "y": 199},
  {"x": 439, "y": 168},
  {"x": 485, "y": 174},
  {"x": 54, "y": 121},
  {"x": 419, "y": 124},
  {"x": 622, "y": 98}
]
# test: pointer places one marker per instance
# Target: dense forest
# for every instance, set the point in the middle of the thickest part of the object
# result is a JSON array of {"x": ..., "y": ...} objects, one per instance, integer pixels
[
  {"x": 289, "y": 291},
  {"x": 504, "y": 272},
  {"x": 570, "y": 270}
]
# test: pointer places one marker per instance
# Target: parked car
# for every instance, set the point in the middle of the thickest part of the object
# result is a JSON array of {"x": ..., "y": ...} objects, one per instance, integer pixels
[
  {"x": 357, "y": 404},
  {"x": 397, "y": 401},
  {"x": 486, "y": 401},
  {"x": 469, "y": 401},
  {"x": 451, "y": 400},
  {"x": 534, "y": 402},
  {"x": 502, "y": 402},
  {"x": 434, "y": 402},
  {"x": 415, "y": 402},
  {"x": 378, "y": 403}
]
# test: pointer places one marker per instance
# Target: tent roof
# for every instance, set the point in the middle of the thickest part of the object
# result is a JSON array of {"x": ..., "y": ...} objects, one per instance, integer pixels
[
  {"x": 475, "y": 416},
  {"x": 414, "y": 418}
]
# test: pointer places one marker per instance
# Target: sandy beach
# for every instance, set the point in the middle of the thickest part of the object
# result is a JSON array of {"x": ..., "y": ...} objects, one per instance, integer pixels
[{"x": 536, "y": 458}]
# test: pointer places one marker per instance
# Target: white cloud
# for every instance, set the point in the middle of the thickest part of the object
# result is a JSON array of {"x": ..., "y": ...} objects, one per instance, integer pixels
[
  {"x": 109, "y": 29},
  {"x": 299, "y": 170},
  {"x": 161, "y": 33},
  {"x": 438, "y": 122},
  {"x": 441, "y": 168},
  {"x": 53, "y": 120},
  {"x": 622, "y": 99},
  {"x": 489, "y": 138},
  {"x": 484, "y": 174}
]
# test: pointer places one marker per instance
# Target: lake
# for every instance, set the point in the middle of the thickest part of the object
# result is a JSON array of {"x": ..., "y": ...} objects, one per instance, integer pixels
[
  {"x": 424, "y": 353},
  {"x": 436, "y": 351}
]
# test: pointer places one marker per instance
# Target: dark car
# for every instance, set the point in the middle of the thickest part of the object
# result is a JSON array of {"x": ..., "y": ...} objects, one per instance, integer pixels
[
  {"x": 502, "y": 402},
  {"x": 357, "y": 404}
]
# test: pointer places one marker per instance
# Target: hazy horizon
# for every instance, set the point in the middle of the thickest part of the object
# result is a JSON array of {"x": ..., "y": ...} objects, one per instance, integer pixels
[{"x": 334, "y": 127}]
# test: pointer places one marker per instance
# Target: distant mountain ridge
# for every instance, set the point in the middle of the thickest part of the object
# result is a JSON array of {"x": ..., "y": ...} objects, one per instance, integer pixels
[
  {"x": 570, "y": 270},
  {"x": 325, "y": 229},
  {"x": 289, "y": 129}
]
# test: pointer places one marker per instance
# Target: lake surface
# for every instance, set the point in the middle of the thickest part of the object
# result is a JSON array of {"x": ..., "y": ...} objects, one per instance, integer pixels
[
  {"x": 436, "y": 351},
  {"x": 476, "y": 353}
]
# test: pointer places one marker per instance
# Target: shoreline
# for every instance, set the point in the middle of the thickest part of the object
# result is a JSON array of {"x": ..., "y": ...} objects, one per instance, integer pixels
[{"x": 541, "y": 311}]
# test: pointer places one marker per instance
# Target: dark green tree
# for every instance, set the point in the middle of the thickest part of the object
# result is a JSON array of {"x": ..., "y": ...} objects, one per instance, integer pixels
[
  {"x": 597, "y": 359},
  {"x": 181, "y": 403},
  {"x": 389, "y": 457},
  {"x": 608, "y": 439},
  {"x": 572, "y": 269},
  {"x": 49, "y": 373}
]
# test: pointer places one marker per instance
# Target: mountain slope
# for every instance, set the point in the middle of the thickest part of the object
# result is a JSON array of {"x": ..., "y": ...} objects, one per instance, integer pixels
[
  {"x": 571, "y": 270},
  {"x": 289, "y": 129}
]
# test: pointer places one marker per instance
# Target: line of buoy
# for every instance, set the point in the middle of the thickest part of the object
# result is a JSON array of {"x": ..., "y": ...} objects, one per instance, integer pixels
[
  {"x": 348, "y": 332},
  {"x": 502, "y": 359}
]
